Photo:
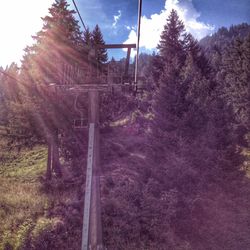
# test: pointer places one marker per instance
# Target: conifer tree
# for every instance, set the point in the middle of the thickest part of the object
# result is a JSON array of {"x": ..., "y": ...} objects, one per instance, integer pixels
[
  {"x": 19, "y": 131},
  {"x": 58, "y": 42},
  {"x": 97, "y": 38},
  {"x": 170, "y": 103},
  {"x": 157, "y": 66},
  {"x": 87, "y": 37},
  {"x": 234, "y": 78},
  {"x": 172, "y": 39},
  {"x": 191, "y": 122},
  {"x": 195, "y": 52}
]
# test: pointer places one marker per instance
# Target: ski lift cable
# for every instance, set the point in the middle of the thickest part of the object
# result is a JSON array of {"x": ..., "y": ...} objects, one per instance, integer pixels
[
  {"x": 78, "y": 12},
  {"x": 138, "y": 38}
]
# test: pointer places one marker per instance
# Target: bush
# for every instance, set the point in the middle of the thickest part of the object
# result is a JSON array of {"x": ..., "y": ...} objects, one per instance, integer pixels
[{"x": 44, "y": 234}]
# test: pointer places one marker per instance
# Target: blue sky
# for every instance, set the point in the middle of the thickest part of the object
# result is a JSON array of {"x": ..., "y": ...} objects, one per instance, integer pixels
[
  {"x": 212, "y": 12},
  {"x": 223, "y": 13},
  {"x": 118, "y": 20},
  {"x": 201, "y": 17}
]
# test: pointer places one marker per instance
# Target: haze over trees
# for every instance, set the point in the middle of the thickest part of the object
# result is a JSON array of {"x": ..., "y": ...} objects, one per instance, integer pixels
[{"x": 172, "y": 157}]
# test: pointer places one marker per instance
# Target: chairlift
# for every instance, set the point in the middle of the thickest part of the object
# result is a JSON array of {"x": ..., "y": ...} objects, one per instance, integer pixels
[
  {"x": 128, "y": 82},
  {"x": 88, "y": 75},
  {"x": 93, "y": 73},
  {"x": 117, "y": 80},
  {"x": 82, "y": 122}
]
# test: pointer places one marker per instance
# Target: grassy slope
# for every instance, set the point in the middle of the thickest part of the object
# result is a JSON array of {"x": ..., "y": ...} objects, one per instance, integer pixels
[
  {"x": 27, "y": 211},
  {"x": 21, "y": 201}
]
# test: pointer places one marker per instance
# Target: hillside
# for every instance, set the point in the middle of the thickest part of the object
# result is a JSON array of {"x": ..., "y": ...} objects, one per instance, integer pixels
[
  {"x": 39, "y": 215},
  {"x": 223, "y": 38},
  {"x": 30, "y": 210}
]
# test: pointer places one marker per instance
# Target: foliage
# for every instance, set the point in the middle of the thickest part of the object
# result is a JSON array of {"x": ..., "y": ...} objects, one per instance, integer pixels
[
  {"x": 234, "y": 76},
  {"x": 42, "y": 234},
  {"x": 97, "y": 39},
  {"x": 194, "y": 140},
  {"x": 171, "y": 41},
  {"x": 87, "y": 38},
  {"x": 215, "y": 45},
  {"x": 58, "y": 41}
]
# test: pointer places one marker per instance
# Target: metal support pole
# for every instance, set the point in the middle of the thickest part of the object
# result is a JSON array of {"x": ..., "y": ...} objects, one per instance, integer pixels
[
  {"x": 138, "y": 38},
  {"x": 92, "y": 227},
  {"x": 87, "y": 200}
]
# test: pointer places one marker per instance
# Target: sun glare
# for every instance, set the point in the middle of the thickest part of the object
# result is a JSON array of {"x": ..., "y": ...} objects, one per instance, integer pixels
[{"x": 19, "y": 20}]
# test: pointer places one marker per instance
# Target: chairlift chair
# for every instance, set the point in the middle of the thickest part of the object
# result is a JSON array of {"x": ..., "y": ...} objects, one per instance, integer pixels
[{"x": 82, "y": 122}]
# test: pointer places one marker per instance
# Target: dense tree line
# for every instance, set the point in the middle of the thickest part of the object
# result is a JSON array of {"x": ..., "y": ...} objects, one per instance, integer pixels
[
  {"x": 188, "y": 105},
  {"x": 194, "y": 148},
  {"x": 228, "y": 53},
  {"x": 32, "y": 109}
]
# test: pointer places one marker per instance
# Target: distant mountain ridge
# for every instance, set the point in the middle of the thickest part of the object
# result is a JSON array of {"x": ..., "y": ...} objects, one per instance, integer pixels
[{"x": 224, "y": 37}]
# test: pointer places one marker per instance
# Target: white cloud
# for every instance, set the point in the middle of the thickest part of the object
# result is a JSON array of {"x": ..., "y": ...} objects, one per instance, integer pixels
[
  {"x": 116, "y": 19},
  {"x": 152, "y": 27},
  {"x": 19, "y": 20}
]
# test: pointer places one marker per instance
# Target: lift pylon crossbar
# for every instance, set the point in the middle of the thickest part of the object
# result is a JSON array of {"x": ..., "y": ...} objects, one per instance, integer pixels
[
  {"x": 76, "y": 88},
  {"x": 121, "y": 46},
  {"x": 117, "y": 46}
]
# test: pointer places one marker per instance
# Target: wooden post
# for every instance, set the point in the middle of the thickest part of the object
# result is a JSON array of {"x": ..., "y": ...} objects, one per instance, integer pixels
[
  {"x": 56, "y": 166},
  {"x": 49, "y": 167},
  {"x": 127, "y": 63}
]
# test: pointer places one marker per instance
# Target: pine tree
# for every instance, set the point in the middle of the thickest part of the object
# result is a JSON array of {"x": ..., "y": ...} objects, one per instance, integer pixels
[
  {"x": 194, "y": 51},
  {"x": 60, "y": 40},
  {"x": 87, "y": 38},
  {"x": 157, "y": 67},
  {"x": 196, "y": 73},
  {"x": 97, "y": 38},
  {"x": 170, "y": 104},
  {"x": 19, "y": 130},
  {"x": 193, "y": 143},
  {"x": 172, "y": 39},
  {"x": 234, "y": 78},
  {"x": 57, "y": 43}
]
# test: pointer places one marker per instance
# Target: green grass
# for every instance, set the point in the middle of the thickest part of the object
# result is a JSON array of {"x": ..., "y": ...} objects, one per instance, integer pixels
[
  {"x": 25, "y": 202},
  {"x": 21, "y": 200},
  {"x": 25, "y": 166}
]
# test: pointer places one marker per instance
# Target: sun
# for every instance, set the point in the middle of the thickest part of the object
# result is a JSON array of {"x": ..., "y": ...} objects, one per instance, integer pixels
[{"x": 19, "y": 20}]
